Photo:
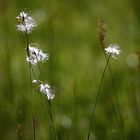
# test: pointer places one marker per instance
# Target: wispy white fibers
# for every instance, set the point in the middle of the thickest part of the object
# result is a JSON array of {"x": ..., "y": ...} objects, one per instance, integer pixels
[
  {"x": 45, "y": 88},
  {"x": 26, "y": 22},
  {"x": 36, "y": 55},
  {"x": 113, "y": 50}
]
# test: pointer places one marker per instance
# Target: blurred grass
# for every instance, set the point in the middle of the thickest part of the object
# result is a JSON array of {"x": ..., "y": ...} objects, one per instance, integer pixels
[{"x": 68, "y": 31}]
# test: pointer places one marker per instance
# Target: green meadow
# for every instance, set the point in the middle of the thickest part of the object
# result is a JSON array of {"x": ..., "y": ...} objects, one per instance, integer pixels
[{"x": 70, "y": 32}]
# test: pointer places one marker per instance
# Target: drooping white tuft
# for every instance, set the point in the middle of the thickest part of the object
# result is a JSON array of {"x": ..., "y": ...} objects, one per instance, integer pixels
[
  {"x": 45, "y": 88},
  {"x": 36, "y": 55}
]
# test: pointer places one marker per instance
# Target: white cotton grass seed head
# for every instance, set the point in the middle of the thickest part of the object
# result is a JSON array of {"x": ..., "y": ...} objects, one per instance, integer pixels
[
  {"x": 45, "y": 88},
  {"x": 26, "y": 22},
  {"x": 113, "y": 50},
  {"x": 36, "y": 55}
]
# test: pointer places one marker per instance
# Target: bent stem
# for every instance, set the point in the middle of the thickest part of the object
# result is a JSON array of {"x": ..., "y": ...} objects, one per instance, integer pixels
[
  {"x": 115, "y": 105},
  {"x": 51, "y": 116},
  {"x": 43, "y": 101},
  {"x": 102, "y": 37},
  {"x": 33, "y": 114},
  {"x": 50, "y": 110},
  {"x": 33, "y": 117},
  {"x": 97, "y": 98}
]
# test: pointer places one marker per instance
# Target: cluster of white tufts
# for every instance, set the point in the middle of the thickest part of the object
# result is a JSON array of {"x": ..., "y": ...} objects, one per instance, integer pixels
[
  {"x": 45, "y": 88},
  {"x": 36, "y": 55},
  {"x": 113, "y": 50},
  {"x": 26, "y": 22}
]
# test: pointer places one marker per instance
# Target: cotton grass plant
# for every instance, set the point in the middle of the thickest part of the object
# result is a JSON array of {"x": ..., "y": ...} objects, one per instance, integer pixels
[
  {"x": 112, "y": 51},
  {"x": 114, "y": 103},
  {"x": 35, "y": 55}
]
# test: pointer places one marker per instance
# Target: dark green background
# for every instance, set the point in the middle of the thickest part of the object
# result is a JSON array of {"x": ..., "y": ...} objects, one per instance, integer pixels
[{"x": 68, "y": 30}]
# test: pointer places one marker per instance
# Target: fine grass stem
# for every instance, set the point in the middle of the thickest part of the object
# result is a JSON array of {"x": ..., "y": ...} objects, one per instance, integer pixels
[
  {"x": 30, "y": 75},
  {"x": 97, "y": 98},
  {"x": 115, "y": 106},
  {"x": 50, "y": 110},
  {"x": 33, "y": 118},
  {"x": 51, "y": 116},
  {"x": 43, "y": 101}
]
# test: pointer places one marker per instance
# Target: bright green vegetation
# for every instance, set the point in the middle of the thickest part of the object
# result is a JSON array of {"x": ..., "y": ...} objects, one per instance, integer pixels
[{"x": 68, "y": 30}]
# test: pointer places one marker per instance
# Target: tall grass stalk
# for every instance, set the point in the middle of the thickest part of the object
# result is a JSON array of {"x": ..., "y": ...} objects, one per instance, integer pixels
[
  {"x": 115, "y": 106},
  {"x": 33, "y": 117},
  {"x": 49, "y": 109},
  {"x": 30, "y": 75},
  {"x": 48, "y": 113},
  {"x": 26, "y": 25},
  {"x": 43, "y": 103},
  {"x": 52, "y": 120},
  {"x": 97, "y": 98}
]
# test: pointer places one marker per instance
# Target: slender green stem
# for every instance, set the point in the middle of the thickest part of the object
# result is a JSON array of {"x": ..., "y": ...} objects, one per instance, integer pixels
[
  {"x": 27, "y": 43},
  {"x": 46, "y": 109},
  {"x": 34, "y": 126},
  {"x": 116, "y": 104},
  {"x": 54, "y": 130},
  {"x": 50, "y": 110},
  {"x": 33, "y": 116},
  {"x": 119, "y": 119},
  {"x": 97, "y": 98},
  {"x": 43, "y": 101},
  {"x": 117, "y": 110}
]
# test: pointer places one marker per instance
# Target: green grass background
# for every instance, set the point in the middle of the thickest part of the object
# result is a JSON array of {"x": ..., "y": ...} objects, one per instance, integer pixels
[{"x": 68, "y": 31}]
